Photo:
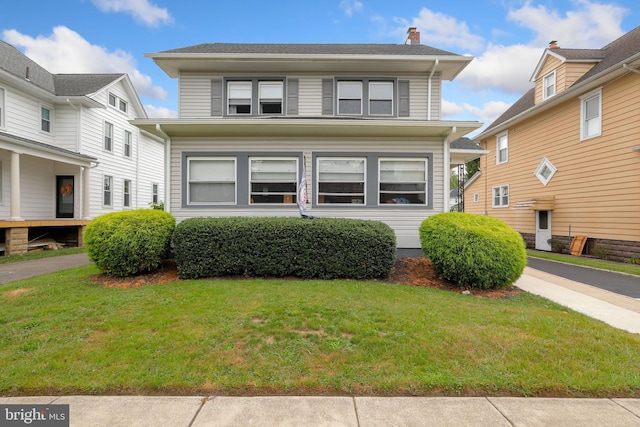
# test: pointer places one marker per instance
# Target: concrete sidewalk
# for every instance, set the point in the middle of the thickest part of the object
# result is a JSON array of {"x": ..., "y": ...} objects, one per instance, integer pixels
[
  {"x": 200, "y": 411},
  {"x": 36, "y": 267}
]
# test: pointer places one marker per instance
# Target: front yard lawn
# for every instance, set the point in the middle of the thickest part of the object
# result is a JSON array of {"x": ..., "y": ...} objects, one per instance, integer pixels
[{"x": 63, "y": 334}]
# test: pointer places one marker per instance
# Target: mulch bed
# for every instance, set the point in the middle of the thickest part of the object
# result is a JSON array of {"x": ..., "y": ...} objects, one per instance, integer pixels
[{"x": 413, "y": 271}]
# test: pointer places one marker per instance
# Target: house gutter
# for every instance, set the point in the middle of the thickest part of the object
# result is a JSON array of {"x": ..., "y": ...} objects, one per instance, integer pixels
[
  {"x": 447, "y": 168},
  {"x": 167, "y": 167},
  {"x": 633, "y": 70},
  {"x": 433, "y": 71}
]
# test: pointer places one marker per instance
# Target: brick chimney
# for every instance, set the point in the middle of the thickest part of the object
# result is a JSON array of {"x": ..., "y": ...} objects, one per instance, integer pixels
[
  {"x": 413, "y": 36},
  {"x": 553, "y": 44}
]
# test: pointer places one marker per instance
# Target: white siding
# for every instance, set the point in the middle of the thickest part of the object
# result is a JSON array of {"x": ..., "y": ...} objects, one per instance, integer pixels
[
  {"x": 404, "y": 222},
  {"x": 67, "y": 121},
  {"x": 23, "y": 116}
]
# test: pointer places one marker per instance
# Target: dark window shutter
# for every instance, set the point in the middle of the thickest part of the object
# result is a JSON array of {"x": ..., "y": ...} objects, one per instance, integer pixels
[
  {"x": 292, "y": 97},
  {"x": 327, "y": 97},
  {"x": 216, "y": 97},
  {"x": 403, "y": 98}
]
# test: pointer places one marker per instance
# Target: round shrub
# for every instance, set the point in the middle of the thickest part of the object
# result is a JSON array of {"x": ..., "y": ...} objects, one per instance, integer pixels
[
  {"x": 473, "y": 250},
  {"x": 130, "y": 242}
]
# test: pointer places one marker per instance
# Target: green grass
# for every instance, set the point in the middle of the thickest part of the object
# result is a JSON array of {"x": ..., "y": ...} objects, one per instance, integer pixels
[
  {"x": 40, "y": 254},
  {"x": 62, "y": 334},
  {"x": 588, "y": 262}
]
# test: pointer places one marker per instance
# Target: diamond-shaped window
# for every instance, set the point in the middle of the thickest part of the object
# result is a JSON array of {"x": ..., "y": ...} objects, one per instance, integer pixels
[{"x": 545, "y": 171}]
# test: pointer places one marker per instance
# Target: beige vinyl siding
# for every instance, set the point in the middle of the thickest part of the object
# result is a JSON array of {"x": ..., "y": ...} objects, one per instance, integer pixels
[
  {"x": 194, "y": 95},
  {"x": 404, "y": 222},
  {"x": 550, "y": 64},
  {"x": 596, "y": 186},
  {"x": 575, "y": 70}
]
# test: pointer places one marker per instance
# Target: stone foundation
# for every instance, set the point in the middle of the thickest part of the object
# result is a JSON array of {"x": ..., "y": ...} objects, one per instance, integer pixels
[
  {"x": 16, "y": 240},
  {"x": 612, "y": 250}
]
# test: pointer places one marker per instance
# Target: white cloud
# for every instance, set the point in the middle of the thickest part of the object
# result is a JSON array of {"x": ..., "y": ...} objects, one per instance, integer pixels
[
  {"x": 141, "y": 10},
  {"x": 160, "y": 112},
  {"x": 351, "y": 6},
  {"x": 507, "y": 68},
  {"x": 442, "y": 31},
  {"x": 590, "y": 25},
  {"x": 65, "y": 51},
  {"x": 488, "y": 112},
  {"x": 450, "y": 109}
]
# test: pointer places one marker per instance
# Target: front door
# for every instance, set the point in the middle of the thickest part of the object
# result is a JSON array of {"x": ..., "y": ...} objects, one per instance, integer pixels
[
  {"x": 64, "y": 197},
  {"x": 543, "y": 230}
]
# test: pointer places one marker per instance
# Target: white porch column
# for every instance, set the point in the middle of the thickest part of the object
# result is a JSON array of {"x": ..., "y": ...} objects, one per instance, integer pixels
[
  {"x": 86, "y": 194},
  {"x": 15, "y": 188}
]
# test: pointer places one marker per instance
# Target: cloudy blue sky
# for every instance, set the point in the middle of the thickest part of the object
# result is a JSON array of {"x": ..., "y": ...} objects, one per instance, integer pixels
[{"x": 506, "y": 37}]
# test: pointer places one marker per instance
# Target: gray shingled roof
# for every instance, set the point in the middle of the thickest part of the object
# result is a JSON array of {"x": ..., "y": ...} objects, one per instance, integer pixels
[
  {"x": 16, "y": 63},
  {"x": 82, "y": 84},
  {"x": 465, "y": 144},
  {"x": 614, "y": 53},
  {"x": 310, "y": 49}
]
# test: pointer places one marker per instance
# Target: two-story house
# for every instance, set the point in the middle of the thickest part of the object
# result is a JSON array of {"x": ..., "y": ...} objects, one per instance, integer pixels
[
  {"x": 363, "y": 119},
  {"x": 564, "y": 158},
  {"x": 68, "y": 151}
]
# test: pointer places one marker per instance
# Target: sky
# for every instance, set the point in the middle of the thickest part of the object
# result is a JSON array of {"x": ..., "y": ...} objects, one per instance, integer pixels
[{"x": 505, "y": 37}]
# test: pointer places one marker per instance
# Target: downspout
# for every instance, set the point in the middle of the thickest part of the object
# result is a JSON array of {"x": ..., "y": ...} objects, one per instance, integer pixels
[
  {"x": 447, "y": 168},
  {"x": 137, "y": 169},
  {"x": 433, "y": 71},
  {"x": 167, "y": 167},
  {"x": 628, "y": 68}
]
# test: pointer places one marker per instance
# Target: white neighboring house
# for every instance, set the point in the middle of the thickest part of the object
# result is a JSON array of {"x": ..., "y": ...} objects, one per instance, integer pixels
[
  {"x": 68, "y": 151},
  {"x": 364, "y": 119}
]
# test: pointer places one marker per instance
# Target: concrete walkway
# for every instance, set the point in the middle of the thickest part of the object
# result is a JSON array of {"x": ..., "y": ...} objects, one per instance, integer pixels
[
  {"x": 200, "y": 411},
  {"x": 615, "y": 309}
]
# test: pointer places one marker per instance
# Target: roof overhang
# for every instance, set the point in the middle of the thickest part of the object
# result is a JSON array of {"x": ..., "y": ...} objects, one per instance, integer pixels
[
  {"x": 449, "y": 66},
  {"x": 592, "y": 83},
  {"x": 460, "y": 157},
  {"x": 44, "y": 151},
  {"x": 543, "y": 203},
  {"x": 305, "y": 127}
]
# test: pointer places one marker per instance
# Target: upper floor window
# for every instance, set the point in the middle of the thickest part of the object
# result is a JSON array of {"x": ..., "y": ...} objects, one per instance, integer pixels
[
  {"x": 108, "y": 136},
  {"x": 376, "y": 100},
  {"x": 113, "y": 100},
  {"x": 350, "y": 98},
  {"x": 403, "y": 181},
  {"x": 251, "y": 97},
  {"x": 127, "y": 143},
  {"x": 273, "y": 180},
  {"x": 545, "y": 171},
  {"x": 45, "y": 119},
  {"x": 118, "y": 103},
  {"x": 341, "y": 180},
  {"x": 123, "y": 106},
  {"x": 1, "y": 107},
  {"x": 591, "y": 115},
  {"x": 502, "y": 148},
  {"x": 211, "y": 180},
  {"x": 501, "y": 196},
  {"x": 549, "y": 85},
  {"x": 270, "y": 97},
  {"x": 380, "y": 98}
]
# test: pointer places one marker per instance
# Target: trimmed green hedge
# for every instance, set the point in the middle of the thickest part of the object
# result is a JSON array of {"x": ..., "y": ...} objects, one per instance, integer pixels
[
  {"x": 324, "y": 248},
  {"x": 129, "y": 242},
  {"x": 473, "y": 250}
]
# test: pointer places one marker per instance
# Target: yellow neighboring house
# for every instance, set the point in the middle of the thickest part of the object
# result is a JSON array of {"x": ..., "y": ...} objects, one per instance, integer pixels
[{"x": 564, "y": 160}]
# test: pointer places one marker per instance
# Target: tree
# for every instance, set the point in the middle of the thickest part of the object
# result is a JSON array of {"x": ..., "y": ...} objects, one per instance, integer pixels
[
  {"x": 454, "y": 180},
  {"x": 471, "y": 168}
]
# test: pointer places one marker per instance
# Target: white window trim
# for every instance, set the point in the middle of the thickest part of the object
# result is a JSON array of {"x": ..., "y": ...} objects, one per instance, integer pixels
[
  {"x": 110, "y": 205},
  {"x": 130, "y": 144},
  {"x": 538, "y": 173},
  {"x": 122, "y": 102},
  {"x": 493, "y": 199},
  {"x": 3, "y": 102},
  {"x": 115, "y": 100},
  {"x": 297, "y": 179},
  {"x": 46, "y": 107},
  {"x": 317, "y": 180},
  {"x": 125, "y": 193},
  {"x": 361, "y": 98},
  {"x": 476, "y": 197},
  {"x": 425, "y": 161},
  {"x": 375, "y": 82},
  {"x": 155, "y": 189},
  {"x": 498, "y": 137},
  {"x": 104, "y": 135},
  {"x": 1, "y": 181},
  {"x": 583, "y": 104},
  {"x": 545, "y": 85},
  {"x": 235, "y": 180}
]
